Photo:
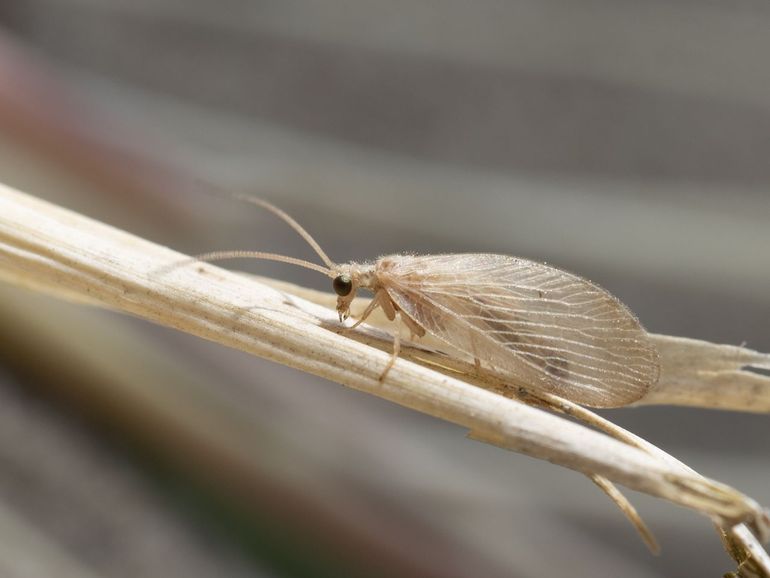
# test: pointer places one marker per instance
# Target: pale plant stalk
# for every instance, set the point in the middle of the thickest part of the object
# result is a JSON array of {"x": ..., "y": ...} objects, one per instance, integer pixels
[
  {"x": 65, "y": 254},
  {"x": 694, "y": 373}
]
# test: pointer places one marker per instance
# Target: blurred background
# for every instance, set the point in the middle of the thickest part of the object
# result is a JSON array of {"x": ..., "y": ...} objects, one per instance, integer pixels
[{"x": 625, "y": 141}]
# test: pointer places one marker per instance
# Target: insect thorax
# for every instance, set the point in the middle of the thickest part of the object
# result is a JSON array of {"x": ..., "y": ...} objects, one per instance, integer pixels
[{"x": 363, "y": 275}]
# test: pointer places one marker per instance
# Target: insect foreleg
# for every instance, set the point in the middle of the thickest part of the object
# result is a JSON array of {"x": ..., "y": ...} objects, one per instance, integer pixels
[
  {"x": 381, "y": 299},
  {"x": 373, "y": 304}
]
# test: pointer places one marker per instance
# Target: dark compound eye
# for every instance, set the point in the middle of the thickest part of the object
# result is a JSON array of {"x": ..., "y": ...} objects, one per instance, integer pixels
[{"x": 342, "y": 285}]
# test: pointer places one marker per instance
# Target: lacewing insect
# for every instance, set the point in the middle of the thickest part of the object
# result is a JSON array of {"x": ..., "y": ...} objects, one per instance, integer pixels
[{"x": 554, "y": 331}]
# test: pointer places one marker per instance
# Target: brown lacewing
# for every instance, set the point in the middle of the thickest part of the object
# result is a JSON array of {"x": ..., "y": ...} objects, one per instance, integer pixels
[{"x": 554, "y": 331}]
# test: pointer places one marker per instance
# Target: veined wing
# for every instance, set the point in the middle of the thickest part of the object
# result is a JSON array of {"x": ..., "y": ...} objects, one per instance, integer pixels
[{"x": 554, "y": 331}]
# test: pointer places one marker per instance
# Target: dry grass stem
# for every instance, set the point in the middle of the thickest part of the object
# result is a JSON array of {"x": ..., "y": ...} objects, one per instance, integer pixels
[
  {"x": 628, "y": 510},
  {"x": 51, "y": 249},
  {"x": 693, "y": 372}
]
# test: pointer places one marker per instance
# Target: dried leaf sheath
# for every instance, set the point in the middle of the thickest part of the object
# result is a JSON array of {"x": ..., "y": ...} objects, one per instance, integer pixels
[{"x": 540, "y": 325}]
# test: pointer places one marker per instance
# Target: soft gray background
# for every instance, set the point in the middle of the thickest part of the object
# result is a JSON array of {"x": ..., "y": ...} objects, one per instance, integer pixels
[{"x": 626, "y": 141}]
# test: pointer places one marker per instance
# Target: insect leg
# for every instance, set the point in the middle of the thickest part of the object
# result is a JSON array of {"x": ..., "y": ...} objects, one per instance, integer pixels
[
  {"x": 387, "y": 304},
  {"x": 373, "y": 304},
  {"x": 476, "y": 360},
  {"x": 415, "y": 330},
  {"x": 396, "y": 345}
]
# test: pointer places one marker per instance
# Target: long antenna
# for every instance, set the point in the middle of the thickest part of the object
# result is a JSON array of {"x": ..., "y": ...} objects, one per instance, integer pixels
[
  {"x": 289, "y": 221},
  {"x": 219, "y": 255}
]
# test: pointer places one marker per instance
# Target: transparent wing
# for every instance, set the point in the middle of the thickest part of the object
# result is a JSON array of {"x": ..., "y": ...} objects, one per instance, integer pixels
[{"x": 548, "y": 328}]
